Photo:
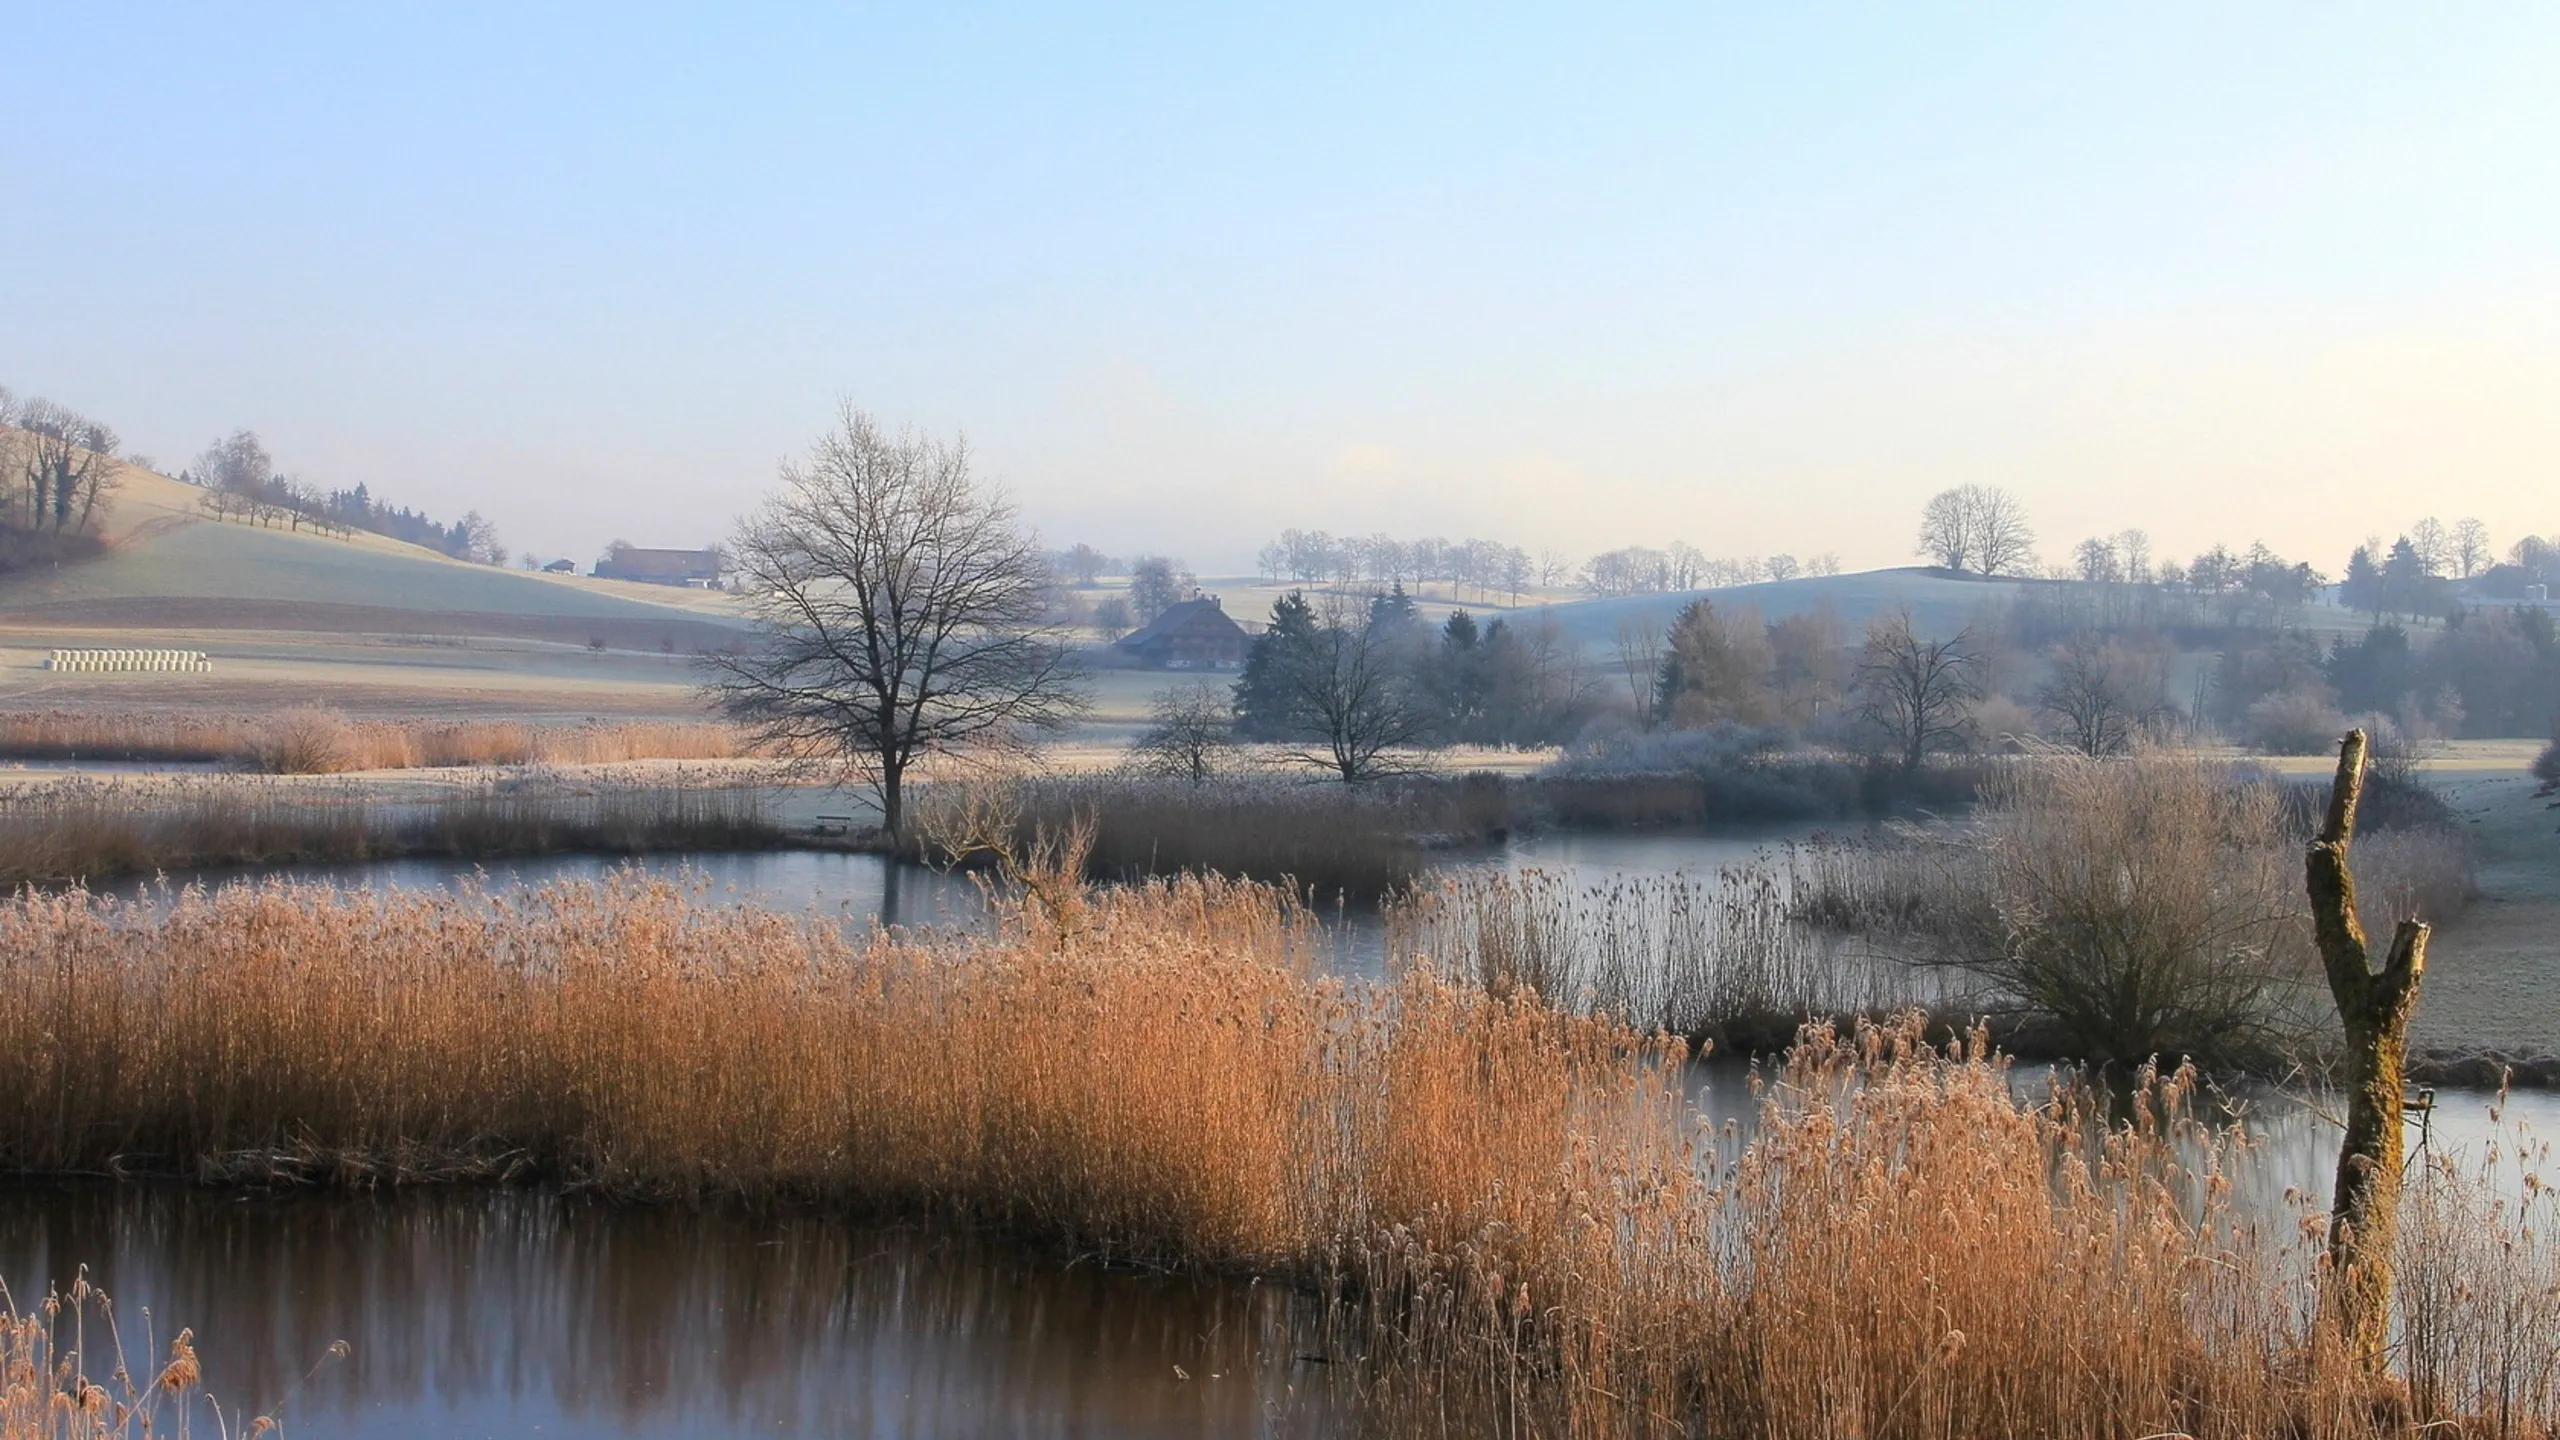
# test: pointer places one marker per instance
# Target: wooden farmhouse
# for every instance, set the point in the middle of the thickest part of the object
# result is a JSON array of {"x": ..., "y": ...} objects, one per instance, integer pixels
[{"x": 1191, "y": 635}]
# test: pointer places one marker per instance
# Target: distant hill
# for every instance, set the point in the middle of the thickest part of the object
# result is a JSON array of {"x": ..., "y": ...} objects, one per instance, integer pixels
[
  {"x": 170, "y": 568},
  {"x": 1940, "y": 603}
]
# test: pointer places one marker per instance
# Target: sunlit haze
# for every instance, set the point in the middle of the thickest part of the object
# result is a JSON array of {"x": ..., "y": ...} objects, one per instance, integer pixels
[{"x": 1573, "y": 279}]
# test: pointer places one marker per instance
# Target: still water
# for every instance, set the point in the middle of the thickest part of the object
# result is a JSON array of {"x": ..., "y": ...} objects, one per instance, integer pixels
[{"x": 523, "y": 1313}]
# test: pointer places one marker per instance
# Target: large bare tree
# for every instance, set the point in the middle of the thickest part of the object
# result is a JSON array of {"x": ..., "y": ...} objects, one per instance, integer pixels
[
  {"x": 901, "y": 612},
  {"x": 1920, "y": 693},
  {"x": 1982, "y": 528}
]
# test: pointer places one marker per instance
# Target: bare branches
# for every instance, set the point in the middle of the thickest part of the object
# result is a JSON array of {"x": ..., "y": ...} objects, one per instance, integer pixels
[
  {"x": 1918, "y": 692},
  {"x": 1981, "y": 528},
  {"x": 64, "y": 464},
  {"x": 901, "y": 612}
]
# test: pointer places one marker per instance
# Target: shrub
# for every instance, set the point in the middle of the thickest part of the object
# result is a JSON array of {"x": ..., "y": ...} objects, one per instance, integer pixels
[
  {"x": 2301, "y": 721},
  {"x": 2546, "y": 766},
  {"x": 306, "y": 742},
  {"x": 2140, "y": 906}
]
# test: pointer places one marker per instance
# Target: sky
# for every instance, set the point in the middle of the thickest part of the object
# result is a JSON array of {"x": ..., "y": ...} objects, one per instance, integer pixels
[{"x": 1758, "y": 278}]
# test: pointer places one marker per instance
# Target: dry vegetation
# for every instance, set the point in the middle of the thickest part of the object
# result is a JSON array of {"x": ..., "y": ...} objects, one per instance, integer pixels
[
  {"x": 2137, "y": 907},
  {"x": 87, "y": 830},
  {"x": 1516, "y": 1212},
  {"x": 1719, "y": 961},
  {"x": 48, "y": 1390},
  {"x": 324, "y": 742}
]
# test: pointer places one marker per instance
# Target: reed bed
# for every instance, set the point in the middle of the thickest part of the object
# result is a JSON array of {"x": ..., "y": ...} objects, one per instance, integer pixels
[
  {"x": 87, "y": 830},
  {"x": 310, "y": 741},
  {"x": 1721, "y": 961},
  {"x": 1325, "y": 840},
  {"x": 1514, "y": 1215}
]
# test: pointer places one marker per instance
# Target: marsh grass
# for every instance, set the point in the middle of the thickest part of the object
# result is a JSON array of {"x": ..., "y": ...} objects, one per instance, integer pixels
[
  {"x": 1325, "y": 840},
  {"x": 87, "y": 830},
  {"x": 1514, "y": 1216},
  {"x": 1719, "y": 961},
  {"x": 319, "y": 741}
]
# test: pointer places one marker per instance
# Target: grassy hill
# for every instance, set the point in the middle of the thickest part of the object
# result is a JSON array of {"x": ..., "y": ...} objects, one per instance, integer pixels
[
  {"x": 1939, "y": 604},
  {"x": 171, "y": 568}
]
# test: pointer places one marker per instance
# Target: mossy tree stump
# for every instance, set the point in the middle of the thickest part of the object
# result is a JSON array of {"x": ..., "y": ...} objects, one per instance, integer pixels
[{"x": 2374, "y": 1007}]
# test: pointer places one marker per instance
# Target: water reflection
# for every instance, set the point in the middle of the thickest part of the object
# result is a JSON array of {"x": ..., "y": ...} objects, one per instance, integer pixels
[{"x": 506, "y": 1313}]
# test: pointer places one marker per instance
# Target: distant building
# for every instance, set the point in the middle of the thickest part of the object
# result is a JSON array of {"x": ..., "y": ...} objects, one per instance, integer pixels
[
  {"x": 562, "y": 567},
  {"x": 1191, "y": 635},
  {"x": 697, "y": 568}
]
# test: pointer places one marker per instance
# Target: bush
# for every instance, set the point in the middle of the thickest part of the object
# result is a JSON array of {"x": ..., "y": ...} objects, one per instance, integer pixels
[
  {"x": 2300, "y": 721},
  {"x": 2136, "y": 907},
  {"x": 2546, "y": 766},
  {"x": 306, "y": 742}
]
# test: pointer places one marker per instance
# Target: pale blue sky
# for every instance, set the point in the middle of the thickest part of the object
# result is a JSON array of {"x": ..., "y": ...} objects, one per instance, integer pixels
[{"x": 1758, "y": 278}]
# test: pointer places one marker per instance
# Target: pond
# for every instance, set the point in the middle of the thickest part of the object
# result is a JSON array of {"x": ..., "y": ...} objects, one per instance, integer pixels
[
  {"x": 469, "y": 1314},
  {"x": 858, "y": 889}
]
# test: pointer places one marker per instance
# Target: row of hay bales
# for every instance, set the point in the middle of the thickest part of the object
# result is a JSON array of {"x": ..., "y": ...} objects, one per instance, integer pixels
[{"x": 97, "y": 660}]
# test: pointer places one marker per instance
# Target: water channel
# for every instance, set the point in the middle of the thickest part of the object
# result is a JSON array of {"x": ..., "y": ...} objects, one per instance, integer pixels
[{"x": 470, "y": 1313}]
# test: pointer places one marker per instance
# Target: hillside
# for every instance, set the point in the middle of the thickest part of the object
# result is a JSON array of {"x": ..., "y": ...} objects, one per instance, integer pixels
[
  {"x": 168, "y": 567},
  {"x": 1938, "y": 604}
]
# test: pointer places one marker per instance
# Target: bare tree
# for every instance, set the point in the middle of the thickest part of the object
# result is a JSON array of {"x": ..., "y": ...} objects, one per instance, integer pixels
[
  {"x": 480, "y": 539},
  {"x": 2003, "y": 542},
  {"x": 1918, "y": 692},
  {"x": 1946, "y": 531},
  {"x": 2095, "y": 560},
  {"x": 1190, "y": 733},
  {"x": 1348, "y": 690},
  {"x": 1111, "y": 618},
  {"x": 2135, "y": 548},
  {"x": 900, "y": 611},
  {"x": 1824, "y": 564},
  {"x": 1784, "y": 567},
  {"x": 2470, "y": 547},
  {"x": 1156, "y": 584},
  {"x": 1086, "y": 564},
  {"x": 2099, "y": 695},
  {"x": 66, "y": 464},
  {"x": 1639, "y": 651},
  {"x": 2433, "y": 546}
]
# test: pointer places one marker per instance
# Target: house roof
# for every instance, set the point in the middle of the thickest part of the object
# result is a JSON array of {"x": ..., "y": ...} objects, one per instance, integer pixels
[
  {"x": 1174, "y": 618},
  {"x": 638, "y": 561}
]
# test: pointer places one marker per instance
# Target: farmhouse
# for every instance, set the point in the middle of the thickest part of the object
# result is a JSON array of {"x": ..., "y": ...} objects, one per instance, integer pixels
[
  {"x": 697, "y": 568},
  {"x": 1191, "y": 635}
]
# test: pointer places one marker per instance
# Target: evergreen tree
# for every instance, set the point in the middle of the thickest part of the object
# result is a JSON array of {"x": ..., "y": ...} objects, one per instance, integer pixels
[
  {"x": 2362, "y": 589},
  {"x": 1265, "y": 690},
  {"x": 1712, "y": 672},
  {"x": 1393, "y": 611}
]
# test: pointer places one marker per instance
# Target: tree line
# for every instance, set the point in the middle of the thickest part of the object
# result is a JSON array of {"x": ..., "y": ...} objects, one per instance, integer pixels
[{"x": 241, "y": 482}]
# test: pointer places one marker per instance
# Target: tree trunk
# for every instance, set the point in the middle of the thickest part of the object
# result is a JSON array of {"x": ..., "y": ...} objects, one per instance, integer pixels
[
  {"x": 2374, "y": 1008},
  {"x": 893, "y": 804}
]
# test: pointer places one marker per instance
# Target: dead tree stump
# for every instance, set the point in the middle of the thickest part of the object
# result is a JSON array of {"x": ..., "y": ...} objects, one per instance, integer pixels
[{"x": 2374, "y": 1007}]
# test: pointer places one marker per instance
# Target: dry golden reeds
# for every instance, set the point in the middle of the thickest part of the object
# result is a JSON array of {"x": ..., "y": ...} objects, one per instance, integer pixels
[
  {"x": 1518, "y": 1214},
  {"x": 308, "y": 740},
  {"x": 86, "y": 829}
]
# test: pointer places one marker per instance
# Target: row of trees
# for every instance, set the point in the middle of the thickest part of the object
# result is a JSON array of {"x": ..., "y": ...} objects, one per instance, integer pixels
[
  {"x": 241, "y": 482},
  {"x": 57, "y": 468},
  {"x": 1488, "y": 568}
]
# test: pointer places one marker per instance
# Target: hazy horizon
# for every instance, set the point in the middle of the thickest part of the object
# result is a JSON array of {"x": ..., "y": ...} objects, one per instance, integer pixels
[{"x": 1760, "y": 283}]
